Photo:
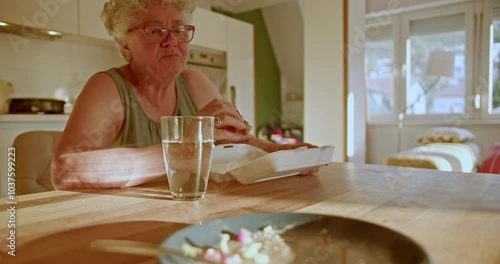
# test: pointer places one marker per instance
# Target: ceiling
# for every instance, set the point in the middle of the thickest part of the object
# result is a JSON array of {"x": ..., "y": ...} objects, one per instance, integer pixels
[
  {"x": 373, "y": 6},
  {"x": 239, "y": 6}
]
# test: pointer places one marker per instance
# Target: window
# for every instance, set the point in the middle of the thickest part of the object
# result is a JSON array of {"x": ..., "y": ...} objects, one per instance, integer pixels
[
  {"x": 396, "y": 64},
  {"x": 431, "y": 92},
  {"x": 494, "y": 89},
  {"x": 379, "y": 65}
]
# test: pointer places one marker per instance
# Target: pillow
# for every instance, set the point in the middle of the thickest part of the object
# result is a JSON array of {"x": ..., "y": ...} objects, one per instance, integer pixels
[
  {"x": 492, "y": 163},
  {"x": 445, "y": 134}
]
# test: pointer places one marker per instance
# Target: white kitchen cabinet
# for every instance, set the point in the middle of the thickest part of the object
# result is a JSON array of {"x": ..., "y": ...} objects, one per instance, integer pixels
[
  {"x": 211, "y": 29},
  {"x": 58, "y": 15},
  {"x": 240, "y": 68},
  {"x": 236, "y": 38},
  {"x": 91, "y": 24},
  {"x": 13, "y": 125}
]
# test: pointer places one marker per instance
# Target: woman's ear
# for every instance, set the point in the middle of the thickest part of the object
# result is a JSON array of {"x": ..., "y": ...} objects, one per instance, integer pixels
[{"x": 126, "y": 49}]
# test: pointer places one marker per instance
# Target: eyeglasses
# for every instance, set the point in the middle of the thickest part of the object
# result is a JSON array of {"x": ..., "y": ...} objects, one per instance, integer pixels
[{"x": 153, "y": 33}]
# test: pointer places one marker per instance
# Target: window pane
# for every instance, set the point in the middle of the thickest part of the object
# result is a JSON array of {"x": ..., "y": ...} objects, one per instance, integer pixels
[
  {"x": 429, "y": 94},
  {"x": 495, "y": 54},
  {"x": 379, "y": 57}
]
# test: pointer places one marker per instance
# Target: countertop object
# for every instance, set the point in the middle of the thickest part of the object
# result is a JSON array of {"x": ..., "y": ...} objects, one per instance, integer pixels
[{"x": 248, "y": 164}]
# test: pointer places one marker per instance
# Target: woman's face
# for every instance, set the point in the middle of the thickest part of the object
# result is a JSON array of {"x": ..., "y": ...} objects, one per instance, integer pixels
[{"x": 167, "y": 56}]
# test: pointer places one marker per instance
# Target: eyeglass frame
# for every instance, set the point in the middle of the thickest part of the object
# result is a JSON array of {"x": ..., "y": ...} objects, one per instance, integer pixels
[{"x": 163, "y": 30}]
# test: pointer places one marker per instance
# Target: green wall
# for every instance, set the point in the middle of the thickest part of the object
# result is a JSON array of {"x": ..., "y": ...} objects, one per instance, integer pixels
[{"x": 267, "y": 73}]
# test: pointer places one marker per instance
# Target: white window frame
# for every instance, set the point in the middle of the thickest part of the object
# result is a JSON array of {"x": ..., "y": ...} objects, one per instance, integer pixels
[
  {"x": 393, "y": 20},
  {"x": 401, "y": 32},
  {"x": 406, "y": 19},
  {"x": 485, "y": 79}
]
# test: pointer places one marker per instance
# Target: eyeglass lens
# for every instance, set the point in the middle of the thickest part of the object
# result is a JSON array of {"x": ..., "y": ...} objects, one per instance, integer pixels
[{"x": 156, "y": 33}]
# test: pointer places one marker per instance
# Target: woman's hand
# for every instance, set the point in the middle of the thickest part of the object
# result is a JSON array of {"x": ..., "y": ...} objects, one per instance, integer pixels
[
  {"x": 272, "y": 147},
  {"x": 278, "y": 147},
  {"x": 232, "y": 127}
]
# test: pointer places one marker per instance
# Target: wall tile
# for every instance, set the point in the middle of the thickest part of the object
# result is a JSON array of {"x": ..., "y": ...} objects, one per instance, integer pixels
[{"x": 39, "y": 68}]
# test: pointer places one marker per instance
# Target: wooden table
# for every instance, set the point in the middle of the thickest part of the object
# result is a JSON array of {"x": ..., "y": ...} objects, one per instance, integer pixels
[{"x": 455, "y": 216}]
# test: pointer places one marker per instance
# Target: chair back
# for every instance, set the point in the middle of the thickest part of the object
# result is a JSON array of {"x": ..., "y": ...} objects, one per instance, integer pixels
[{"x": 33, "y": 157}]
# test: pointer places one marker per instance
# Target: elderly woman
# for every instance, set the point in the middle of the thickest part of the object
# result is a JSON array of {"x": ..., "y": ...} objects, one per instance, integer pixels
[{"x": 112, "y": 138}]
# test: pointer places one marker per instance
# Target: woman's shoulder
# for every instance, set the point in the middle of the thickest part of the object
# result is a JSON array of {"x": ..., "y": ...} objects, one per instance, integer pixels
[
  {"x": 195, "y": 78},
  {"x": 192, "y": 73},
  {"x": 202, "y": 89},
  {"x": 107, "y": 75},
  {"x": 99, "y": 100},
  {"x": 104, "y": 79},
  {"x": 100, "y": 85}
]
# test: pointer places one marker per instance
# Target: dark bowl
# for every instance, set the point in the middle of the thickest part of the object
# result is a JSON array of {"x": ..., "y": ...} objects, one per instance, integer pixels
[{"x": 35, "y": 106}]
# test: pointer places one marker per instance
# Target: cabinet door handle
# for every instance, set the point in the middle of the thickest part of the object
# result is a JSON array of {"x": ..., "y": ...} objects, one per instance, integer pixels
[{"x": 233, "y": 94}]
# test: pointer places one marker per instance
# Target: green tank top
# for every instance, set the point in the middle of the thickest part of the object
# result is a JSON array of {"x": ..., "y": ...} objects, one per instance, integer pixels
[{"x": 138, "y": 130}]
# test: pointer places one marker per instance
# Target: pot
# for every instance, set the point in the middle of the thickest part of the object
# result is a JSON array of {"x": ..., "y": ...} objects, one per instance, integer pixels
[{"x": 35, "y": 106}]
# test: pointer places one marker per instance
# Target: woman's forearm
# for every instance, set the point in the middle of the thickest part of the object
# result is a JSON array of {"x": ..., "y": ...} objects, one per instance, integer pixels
[{"x": 107, "y": 168}]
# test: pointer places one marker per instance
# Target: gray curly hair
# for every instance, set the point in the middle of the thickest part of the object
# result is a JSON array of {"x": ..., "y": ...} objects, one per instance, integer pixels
[{"x": 118, "y": 14}]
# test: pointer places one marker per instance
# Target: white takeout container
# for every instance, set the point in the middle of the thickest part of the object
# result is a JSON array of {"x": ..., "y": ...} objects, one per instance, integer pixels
[{"x": 248, "y": 164}]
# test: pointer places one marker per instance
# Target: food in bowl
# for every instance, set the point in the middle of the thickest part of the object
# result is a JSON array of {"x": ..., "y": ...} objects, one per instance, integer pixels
[{"x": 260, "y": 247}]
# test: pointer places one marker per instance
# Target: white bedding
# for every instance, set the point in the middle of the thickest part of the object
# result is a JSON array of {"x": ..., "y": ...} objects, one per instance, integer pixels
[{"x": 461, "y": 157}]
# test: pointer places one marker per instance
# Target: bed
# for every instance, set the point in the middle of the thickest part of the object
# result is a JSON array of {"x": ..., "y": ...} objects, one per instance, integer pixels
[
  {"x": 441, "y": 148},
  {"x": 461, "y": 157}
]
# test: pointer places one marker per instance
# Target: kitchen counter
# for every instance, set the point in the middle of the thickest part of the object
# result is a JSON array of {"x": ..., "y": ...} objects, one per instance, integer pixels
[{"x": 8, "y": 118}]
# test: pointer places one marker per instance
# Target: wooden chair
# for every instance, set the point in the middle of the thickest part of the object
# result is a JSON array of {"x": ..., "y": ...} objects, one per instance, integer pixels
[{"x": 33, "y": 156}]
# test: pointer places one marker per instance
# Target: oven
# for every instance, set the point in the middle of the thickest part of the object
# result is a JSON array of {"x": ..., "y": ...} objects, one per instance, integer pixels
[{"x": 214, "y": 65}]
